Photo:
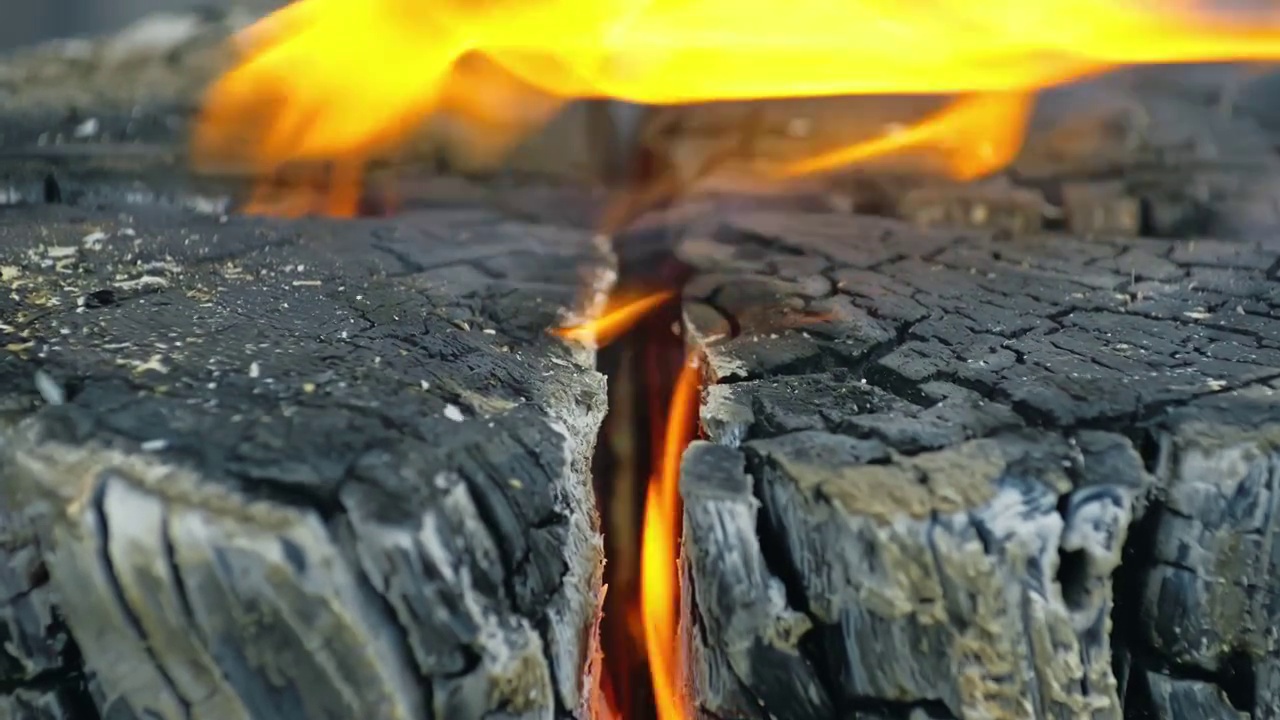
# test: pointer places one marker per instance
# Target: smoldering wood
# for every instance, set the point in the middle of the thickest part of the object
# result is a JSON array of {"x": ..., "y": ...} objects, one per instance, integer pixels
[
  {"x": 963, "y": 474},
  {"x": 287, "y": 469}
]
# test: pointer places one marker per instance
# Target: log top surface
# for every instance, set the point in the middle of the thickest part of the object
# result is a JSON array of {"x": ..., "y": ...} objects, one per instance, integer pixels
[{"x": 198, "y": 331}]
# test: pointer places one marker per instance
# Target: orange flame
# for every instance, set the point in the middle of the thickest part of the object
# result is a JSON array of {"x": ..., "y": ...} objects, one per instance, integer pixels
[
  {"x": 617, "y": 321},
  {"x": 659, "y": 558},
  {"x": 343, "y": 80}
]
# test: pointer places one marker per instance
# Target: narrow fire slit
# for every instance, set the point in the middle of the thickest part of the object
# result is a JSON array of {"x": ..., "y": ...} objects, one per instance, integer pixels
[{"x": 653, "y": 397}]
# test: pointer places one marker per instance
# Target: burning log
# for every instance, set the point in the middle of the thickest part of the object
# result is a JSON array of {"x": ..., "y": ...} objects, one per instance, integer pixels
[
  {"x": 957, "y": 476},
  {"x": 256, "y": 469},
  {"x": 269, "y": 469}
]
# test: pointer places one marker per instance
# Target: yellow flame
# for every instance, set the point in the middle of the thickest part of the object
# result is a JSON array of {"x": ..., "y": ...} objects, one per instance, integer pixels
[{"x": 344, "y": 80}]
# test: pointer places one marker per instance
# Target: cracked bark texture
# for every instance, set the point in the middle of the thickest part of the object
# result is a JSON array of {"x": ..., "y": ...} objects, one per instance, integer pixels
[
  {"x": 968, "y": 475},
  {"x": 295, "y": 470}
]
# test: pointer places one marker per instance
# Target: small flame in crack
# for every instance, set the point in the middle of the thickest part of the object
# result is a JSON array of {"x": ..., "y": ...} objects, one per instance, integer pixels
[
  {"x": 617, "y": 320},
  {"x": 660, "y": 558},
  {"x": 657, "y": 605}
]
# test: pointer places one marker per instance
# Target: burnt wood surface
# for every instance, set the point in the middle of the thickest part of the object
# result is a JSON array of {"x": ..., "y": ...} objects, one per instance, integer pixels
[
  {"x": 274, "y": 469},
  {"x": 955, "y": 474}
]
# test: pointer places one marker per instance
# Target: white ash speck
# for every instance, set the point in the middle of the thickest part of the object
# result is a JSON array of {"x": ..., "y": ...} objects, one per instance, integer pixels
[
  {"x": 255, "y": 370},
  {"x": 161, "y": 265},
  {"x": 424, "y": 384},
  {"x": 489, "y": 331},
  {"x": 87, "y": 129},
  {"x": 93, "y": 240},
  {"x": 50, "y": 390},
  {"x": 154, "y": 445},
  {"x": 142, "y": 282},
  {"x": 207, "y": 205},
  {"x": 453, "y": 413}
]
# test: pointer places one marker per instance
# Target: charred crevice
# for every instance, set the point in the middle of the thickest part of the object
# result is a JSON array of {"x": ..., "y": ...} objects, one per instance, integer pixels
[
  {"x": 1131, "y": 653},
  {"x": 641, "y": 367},
  {"x": 52, "y": 190},
  {"x": 1239, "y": 681},
  {"x": 101, "y": 519},
  {"x": 1134, "y": 656},
  {"x": 1073, "y": 566},
  {"x": 69, "y": 678},
  {"x": 819, "y": 646},
  {"x": 1150, "y": 448},
  {"x": 1235, "y": 680},
  {"x": 730, "y": 318},
  {"x": 880, "y": 709},
  {"x": 776, "y": 557}
]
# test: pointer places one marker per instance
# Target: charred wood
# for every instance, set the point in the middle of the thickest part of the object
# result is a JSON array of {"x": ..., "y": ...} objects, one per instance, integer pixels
[
  {"x": 259, "y": 469},
  {"x": 972, "y": 475}
]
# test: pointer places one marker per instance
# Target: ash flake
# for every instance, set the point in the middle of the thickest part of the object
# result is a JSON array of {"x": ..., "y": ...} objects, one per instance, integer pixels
[
  {"x": 50, "y": 390},
  {"x": 93, "y": 240},
  {"x": 156, "y": 445},
  {"x": 453, "y": 413}
]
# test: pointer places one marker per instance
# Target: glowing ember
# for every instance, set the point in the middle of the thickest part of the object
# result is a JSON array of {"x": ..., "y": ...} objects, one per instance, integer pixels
[
  {"x": 343, "y": 80},
  {"x": 616, "y": 321}
]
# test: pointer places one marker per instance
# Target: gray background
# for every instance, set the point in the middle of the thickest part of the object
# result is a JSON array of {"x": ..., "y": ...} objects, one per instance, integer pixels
[{"x": 23, "y": 22}]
